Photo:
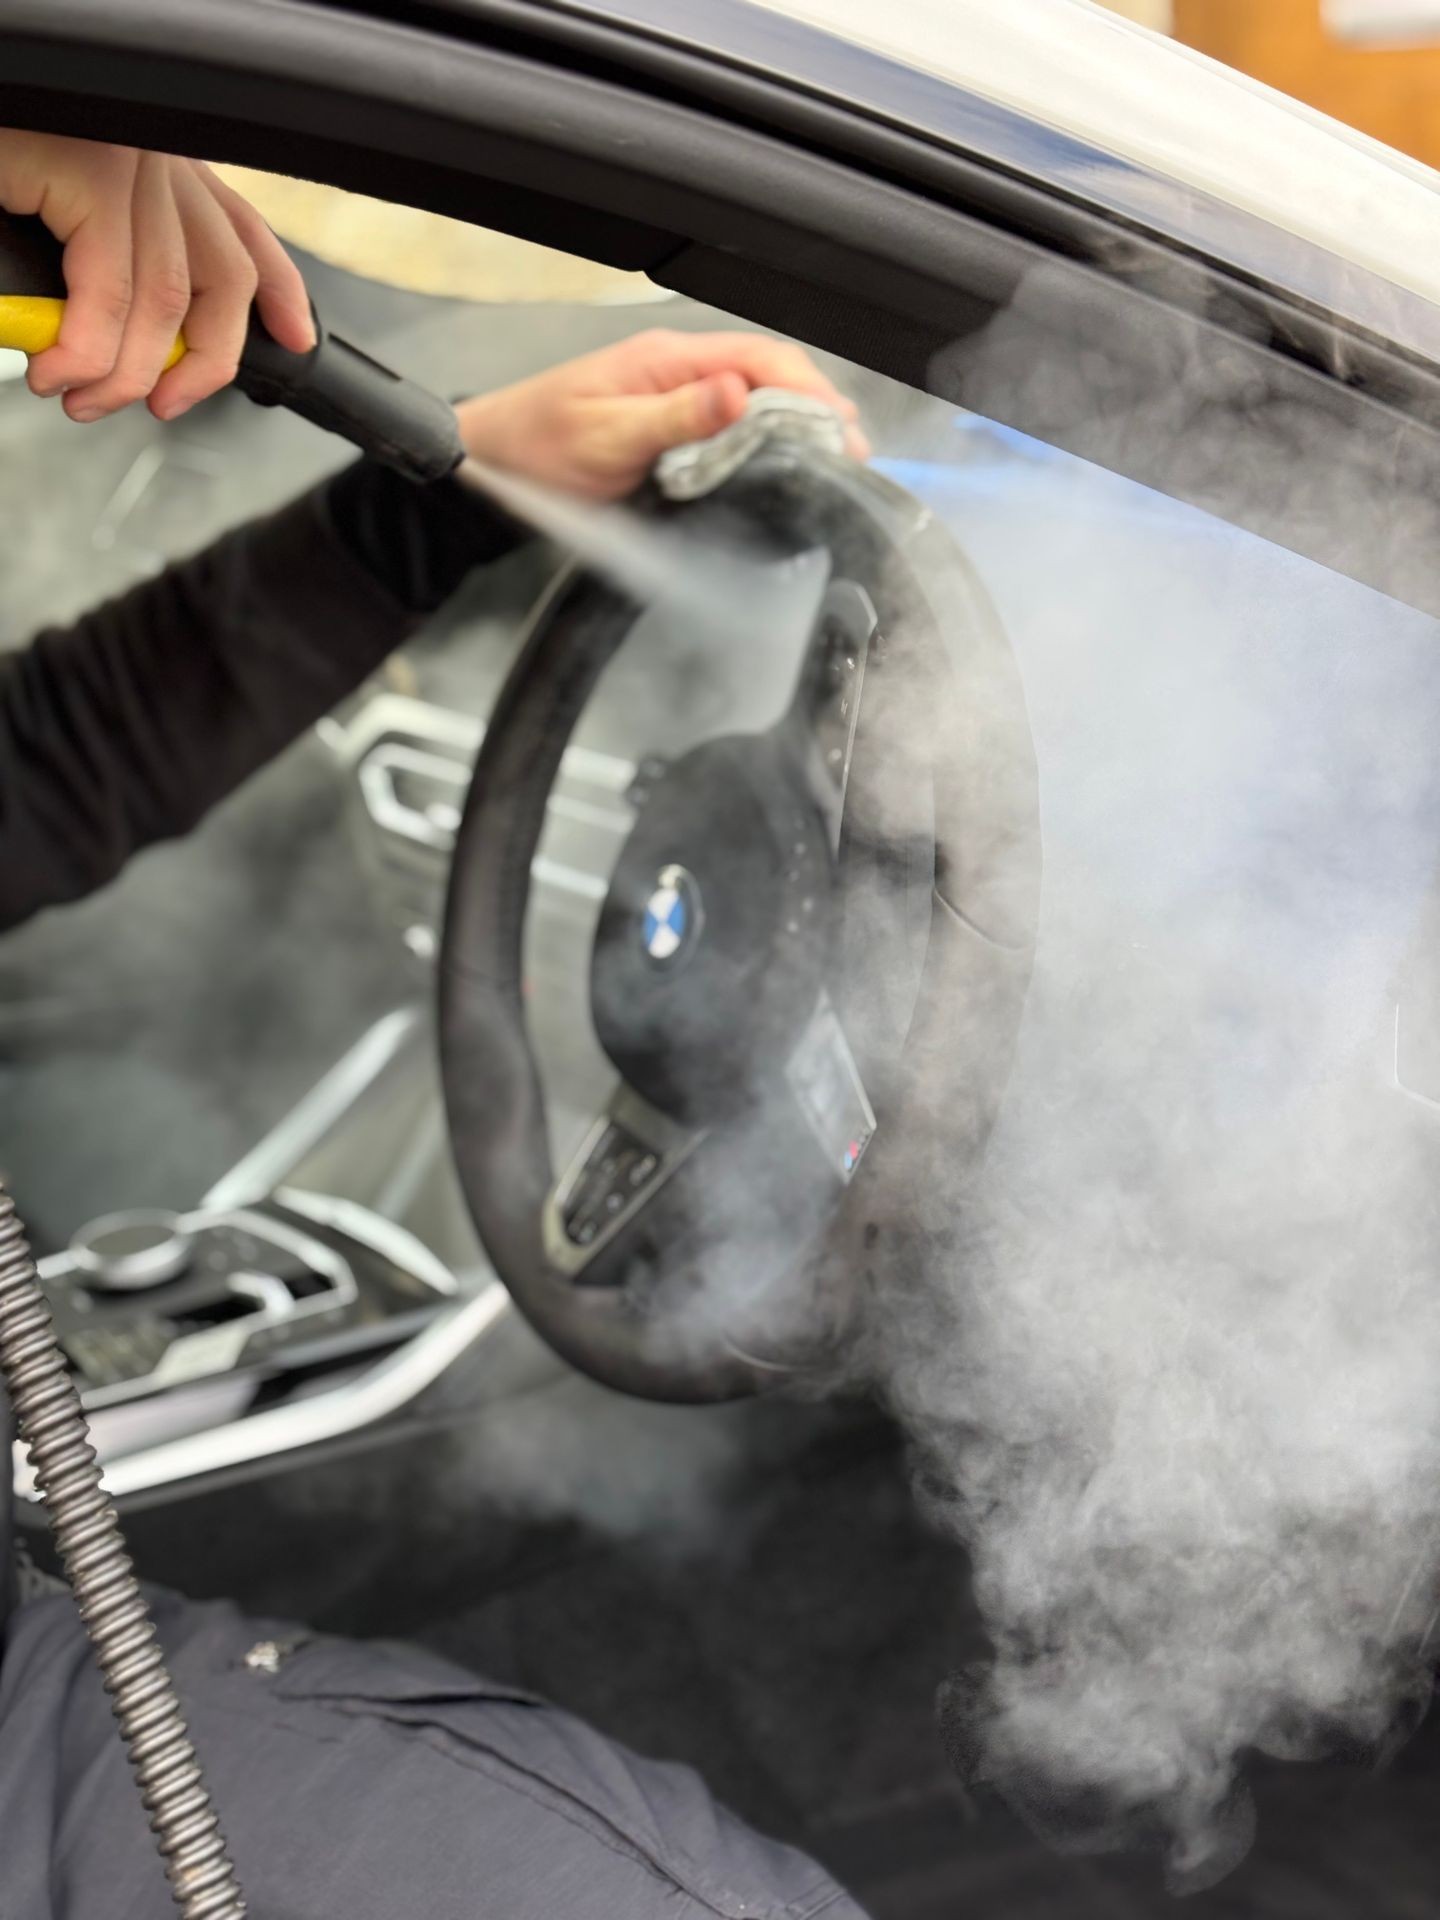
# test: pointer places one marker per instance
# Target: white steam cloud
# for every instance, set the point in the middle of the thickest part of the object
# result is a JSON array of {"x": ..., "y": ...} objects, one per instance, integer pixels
[
  {"x": 1168, "y": 1347},
  {"x": 1171, "y": 1352}
]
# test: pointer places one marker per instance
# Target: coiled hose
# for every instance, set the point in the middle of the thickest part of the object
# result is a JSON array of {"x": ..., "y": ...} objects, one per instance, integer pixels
[{"x": 87, "y": 1532}]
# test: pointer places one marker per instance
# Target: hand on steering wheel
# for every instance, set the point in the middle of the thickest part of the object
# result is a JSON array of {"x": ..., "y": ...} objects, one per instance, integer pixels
[
  {"x": 801, "y": 919},
  {"x": 595, "y": 426}
]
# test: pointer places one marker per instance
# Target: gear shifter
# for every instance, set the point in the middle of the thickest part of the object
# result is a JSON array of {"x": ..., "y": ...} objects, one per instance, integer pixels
[{"x": 127, "y": 1252}]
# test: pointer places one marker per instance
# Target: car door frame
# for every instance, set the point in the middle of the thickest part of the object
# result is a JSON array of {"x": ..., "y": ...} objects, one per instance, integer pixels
[{"x": 779, "y": 201}]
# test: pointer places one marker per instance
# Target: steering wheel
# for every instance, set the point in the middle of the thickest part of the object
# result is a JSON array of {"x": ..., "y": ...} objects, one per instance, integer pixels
[{"x": 808, "y": 969}]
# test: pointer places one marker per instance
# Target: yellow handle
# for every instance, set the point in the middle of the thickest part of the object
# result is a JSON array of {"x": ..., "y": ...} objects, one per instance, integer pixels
[{"x": 31, "y": 323}]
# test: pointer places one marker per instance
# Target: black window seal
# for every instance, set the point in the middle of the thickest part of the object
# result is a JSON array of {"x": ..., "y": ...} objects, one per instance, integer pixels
[
  {"x": 520, "y": 140},
  {"x": 764, "y": 68}
]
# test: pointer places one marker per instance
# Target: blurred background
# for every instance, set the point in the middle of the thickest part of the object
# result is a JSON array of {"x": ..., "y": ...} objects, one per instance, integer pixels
[{"x": 1373, "y": 63}]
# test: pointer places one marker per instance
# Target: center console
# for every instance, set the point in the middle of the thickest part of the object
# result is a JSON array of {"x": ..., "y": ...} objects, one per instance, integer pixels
[
  {"x": 328, "y": 1286},
  {"x": 149, "y": 1301}
]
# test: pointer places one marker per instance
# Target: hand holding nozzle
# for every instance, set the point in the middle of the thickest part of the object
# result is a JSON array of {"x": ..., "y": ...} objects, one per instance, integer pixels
[
  {"x": 124, "y": 248},
  {"x": 134, "y": 244},
  {"x": 331, "y": 383}
]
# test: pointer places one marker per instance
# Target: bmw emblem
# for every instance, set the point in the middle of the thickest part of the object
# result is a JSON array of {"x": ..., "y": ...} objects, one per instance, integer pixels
[{"x": 673, "y": 917}]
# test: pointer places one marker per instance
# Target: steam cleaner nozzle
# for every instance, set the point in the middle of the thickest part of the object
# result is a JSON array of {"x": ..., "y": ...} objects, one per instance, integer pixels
[{"x": 334, "y": 385}]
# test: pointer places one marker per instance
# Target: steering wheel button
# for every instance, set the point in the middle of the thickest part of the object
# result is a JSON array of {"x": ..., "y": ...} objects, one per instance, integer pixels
[{"x": 641, "y": 1170}]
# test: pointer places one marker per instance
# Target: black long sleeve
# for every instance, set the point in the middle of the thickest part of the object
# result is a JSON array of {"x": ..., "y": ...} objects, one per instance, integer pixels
[
  {"x": 123, "y": 729},
  {"x": 126, "y": 727}
]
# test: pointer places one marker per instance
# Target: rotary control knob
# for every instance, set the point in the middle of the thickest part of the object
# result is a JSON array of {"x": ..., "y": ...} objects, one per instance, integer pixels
[{"x": 127, "y": 1252}]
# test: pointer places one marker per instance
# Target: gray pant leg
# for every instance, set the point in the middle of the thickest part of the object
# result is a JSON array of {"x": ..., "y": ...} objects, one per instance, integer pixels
[{"x": 362, "y": 1782}]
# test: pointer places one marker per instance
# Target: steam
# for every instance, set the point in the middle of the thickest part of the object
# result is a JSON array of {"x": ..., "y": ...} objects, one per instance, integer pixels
[
  {"x": 1170, "y": 1353},
  {"x": 657, "y": 566},
  {"x": 1168, "y": 1348},
  {"x": 1178, "y": 1394}
]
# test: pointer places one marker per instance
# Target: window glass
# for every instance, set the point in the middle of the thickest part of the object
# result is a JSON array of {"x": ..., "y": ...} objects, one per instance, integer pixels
[
  {"x": 1232, "y": 740},
  {"x": 1194, "y": 1233}
]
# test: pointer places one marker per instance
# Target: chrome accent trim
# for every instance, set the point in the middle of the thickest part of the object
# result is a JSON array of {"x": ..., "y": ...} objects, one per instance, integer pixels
[
  {"x": 266, "y": 1228},
  {"x": 195, "y": 1356},
  {"x": 418, "y": 721},
  {"x": 388, "y": 1386},
  {"x": 386, "y": 737},
  {"x": 216, "y": 1350},
  {"x": 281, "y": 1150},
  {"x": 400, "y": 713},
  {"x": 270, "y": 1293},
  {"x": 386, "y": 1237},
  {"x": 134, "y": 1272},
  {"x": 433, "y": 827}
]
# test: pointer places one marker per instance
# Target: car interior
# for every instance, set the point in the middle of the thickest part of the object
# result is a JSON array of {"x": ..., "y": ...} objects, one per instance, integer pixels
[
  {"x": 267, "y": 1195},
  {"x": 310, "y": 1391}
]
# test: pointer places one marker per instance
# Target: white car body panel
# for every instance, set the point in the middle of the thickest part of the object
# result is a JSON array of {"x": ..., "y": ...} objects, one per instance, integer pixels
[{"x": 1149, "y": 101}]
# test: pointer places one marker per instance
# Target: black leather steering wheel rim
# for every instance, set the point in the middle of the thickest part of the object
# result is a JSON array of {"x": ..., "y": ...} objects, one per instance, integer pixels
[{"x": 980, "y": 945}]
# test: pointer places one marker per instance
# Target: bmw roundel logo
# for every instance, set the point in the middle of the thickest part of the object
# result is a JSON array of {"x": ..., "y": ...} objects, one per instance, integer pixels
[{"x": 673, "y": 917}]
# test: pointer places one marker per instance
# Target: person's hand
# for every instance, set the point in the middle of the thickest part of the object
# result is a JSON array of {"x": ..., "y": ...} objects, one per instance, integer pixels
[
  {"x": 595, "y": 426},
  {"x": 152, "y": 243}
]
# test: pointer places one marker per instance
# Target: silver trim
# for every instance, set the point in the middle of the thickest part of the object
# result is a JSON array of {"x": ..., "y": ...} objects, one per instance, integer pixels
[
  {"x": 217, "y": 1350},
  {"x": 433, "y": 827},
  {"x": 587, "y": 815},
  {"x": 390, "y": 1385},
  {"x": 267, "y": 1229},
  {"x": 1403, "y": 1086},
  {"x": 147, "y": 1266},
  {"x": 387, "y": 1237},
  {"x": 270, "y": 1293},
  {"x": 436, "y": 826},
  {"x": 271, "y": 1159},
  {"x": 399, "y": 713},
  {"x": 417, "y": 721},
  {"x": 381, "y": 741},
  {"x": 196, "y": 1356}
]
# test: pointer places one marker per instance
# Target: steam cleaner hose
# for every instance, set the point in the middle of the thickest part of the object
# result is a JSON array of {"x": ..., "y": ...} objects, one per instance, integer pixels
[{"x": 51, "y": 1422}]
